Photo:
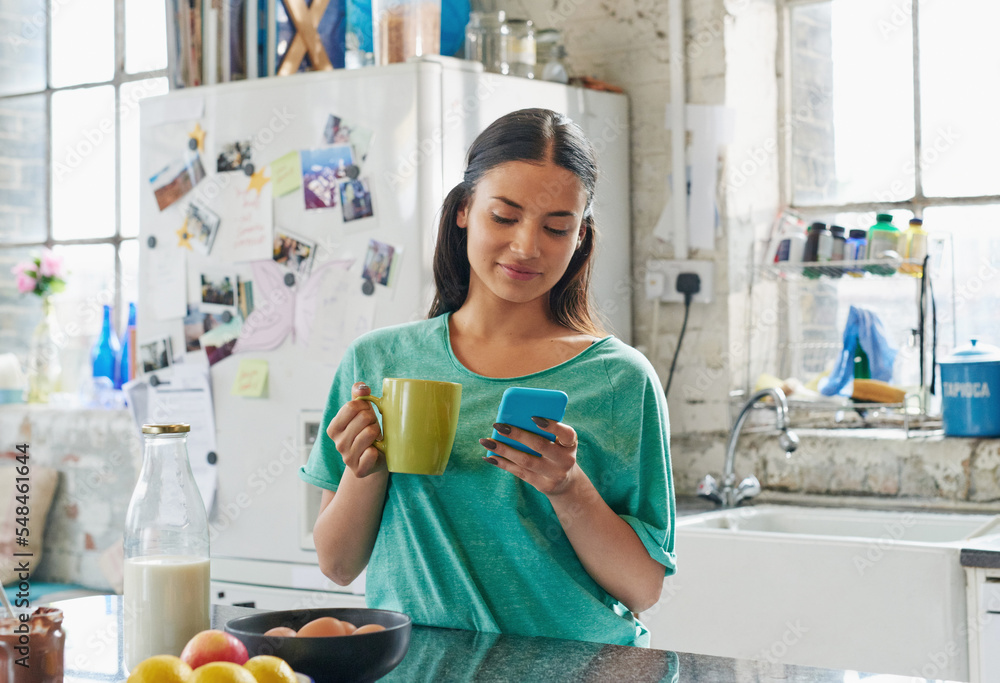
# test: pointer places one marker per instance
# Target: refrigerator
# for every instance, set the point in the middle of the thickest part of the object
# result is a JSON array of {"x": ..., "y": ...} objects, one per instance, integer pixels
[{"x": 370, "y": 155}]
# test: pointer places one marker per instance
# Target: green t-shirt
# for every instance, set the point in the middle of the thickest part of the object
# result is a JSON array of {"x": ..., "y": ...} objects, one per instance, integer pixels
[{"x": 477, "y": 548}]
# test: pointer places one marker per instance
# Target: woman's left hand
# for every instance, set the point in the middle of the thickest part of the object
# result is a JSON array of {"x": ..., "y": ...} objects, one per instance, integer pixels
[{"x": 554, "y": 472}]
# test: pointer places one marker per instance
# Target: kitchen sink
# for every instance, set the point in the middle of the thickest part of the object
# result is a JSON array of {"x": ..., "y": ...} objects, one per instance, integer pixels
[
  {"x": 905, "y": 527},
  {"x": 844, "y": 588}
]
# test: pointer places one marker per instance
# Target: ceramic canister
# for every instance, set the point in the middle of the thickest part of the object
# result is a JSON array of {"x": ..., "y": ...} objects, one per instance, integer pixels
[{"x": 970, "y": 380}]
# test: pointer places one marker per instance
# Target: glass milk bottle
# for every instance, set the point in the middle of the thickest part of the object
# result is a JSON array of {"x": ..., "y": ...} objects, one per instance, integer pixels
[{"x": 166, "y": 595}]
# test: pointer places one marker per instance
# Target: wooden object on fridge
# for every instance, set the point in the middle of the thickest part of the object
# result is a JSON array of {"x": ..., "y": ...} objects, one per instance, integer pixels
[{"x": 306, "y": 20}]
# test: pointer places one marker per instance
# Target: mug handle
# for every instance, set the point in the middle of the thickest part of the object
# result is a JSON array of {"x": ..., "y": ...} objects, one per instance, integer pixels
[{"x": 377, "y": 402}]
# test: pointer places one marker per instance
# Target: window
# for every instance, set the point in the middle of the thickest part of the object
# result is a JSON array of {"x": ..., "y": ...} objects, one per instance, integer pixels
[
  {"x": 890, "y": 106},
  {"x": 71, "y": 75}
]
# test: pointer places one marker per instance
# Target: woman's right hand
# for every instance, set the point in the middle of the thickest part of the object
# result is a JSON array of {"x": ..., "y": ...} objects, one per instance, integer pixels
[{"x": 354, "y": 430}]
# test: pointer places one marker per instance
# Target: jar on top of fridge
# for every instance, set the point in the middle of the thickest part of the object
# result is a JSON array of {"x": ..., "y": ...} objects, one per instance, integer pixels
[
  {"x": 485, "y": 39},
  {"x": 405, "y": 28},
  {"x": 549, "y": 56},
  {"x": 520, "y": 53}
]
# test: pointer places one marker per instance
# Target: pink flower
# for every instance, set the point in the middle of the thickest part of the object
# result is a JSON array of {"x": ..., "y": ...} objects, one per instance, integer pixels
[
  {"x": 21, "y": 267},
  {"x": 51, "y": 263},
  {"x": 25, "y": 283}
]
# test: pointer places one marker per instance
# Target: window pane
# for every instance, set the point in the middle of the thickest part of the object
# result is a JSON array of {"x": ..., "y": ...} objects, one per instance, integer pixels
[
  {"x": 145, "y": 35},
  {"x": 22, "y": 169},
  {"x": 83, "y": 163},
  {"x": 961, "y": 139},
  {"x": 976, "y": 235},
  {"x": 20, "y": 312},
  {"x": 131, "y": 183},
  {"x": 851, "y": 123},
  {"x": 129, "y": 251},
  {"x": 83, "y": 41},
  {"x": 22, "y": 49},
  {"x": 90, "y": 284}
]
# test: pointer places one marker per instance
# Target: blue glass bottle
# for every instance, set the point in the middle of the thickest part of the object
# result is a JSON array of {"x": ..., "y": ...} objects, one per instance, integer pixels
[
  {"x": 126, "y": 358},
  {"x": 105, "y": 351}
]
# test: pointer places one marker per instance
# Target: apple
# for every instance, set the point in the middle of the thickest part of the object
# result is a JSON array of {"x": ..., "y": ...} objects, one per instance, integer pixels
[{"x": 214, "y": 646}]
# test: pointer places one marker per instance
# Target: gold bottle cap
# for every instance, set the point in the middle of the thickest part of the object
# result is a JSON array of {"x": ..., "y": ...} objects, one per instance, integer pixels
[{"x": 166, "y": 429}]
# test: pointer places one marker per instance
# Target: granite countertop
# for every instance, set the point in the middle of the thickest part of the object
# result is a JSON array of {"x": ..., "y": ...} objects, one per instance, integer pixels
[
  {"x": 437, "y": 655},
  {"x": 982, "y": 552}
]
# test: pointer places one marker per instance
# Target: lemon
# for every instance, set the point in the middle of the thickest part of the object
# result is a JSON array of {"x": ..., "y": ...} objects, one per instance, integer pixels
[
  {"x": 268, "y": 669},
  {"x": 161, "y": 669},
  {"x": 222, "y": 672}
]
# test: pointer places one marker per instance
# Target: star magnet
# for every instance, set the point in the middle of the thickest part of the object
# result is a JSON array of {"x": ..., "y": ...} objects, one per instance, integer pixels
[
  {"x": 258, "y": 181},
  {"x": 184, "y": 236},
  {"x": 198, "y": 137}
]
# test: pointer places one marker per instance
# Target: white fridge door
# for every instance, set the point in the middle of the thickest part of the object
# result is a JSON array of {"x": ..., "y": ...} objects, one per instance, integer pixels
[
  {"x": 263, "y": 511},
  {"x": 423, "y": 116}
]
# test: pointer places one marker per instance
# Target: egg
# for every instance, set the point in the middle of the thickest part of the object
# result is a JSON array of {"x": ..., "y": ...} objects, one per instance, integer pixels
[
  {"x": 349, "y": 628},
  {"x": 369, "y": 628},
  {"x": 281, "y": 632},
  {"x": 322, "y": 628}
]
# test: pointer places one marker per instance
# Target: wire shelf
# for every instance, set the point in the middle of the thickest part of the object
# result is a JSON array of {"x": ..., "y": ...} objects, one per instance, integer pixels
[
  {"x": 862, "y": 268},
  {"x": 849, "y": 414}
]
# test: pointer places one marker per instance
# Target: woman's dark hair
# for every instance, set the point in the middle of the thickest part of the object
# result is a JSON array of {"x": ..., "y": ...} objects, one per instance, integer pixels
[{"x": 532, "y": 135}]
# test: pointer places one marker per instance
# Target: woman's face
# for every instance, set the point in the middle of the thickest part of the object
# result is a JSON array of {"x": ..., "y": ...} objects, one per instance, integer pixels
[{"x": 524, "y": 224}]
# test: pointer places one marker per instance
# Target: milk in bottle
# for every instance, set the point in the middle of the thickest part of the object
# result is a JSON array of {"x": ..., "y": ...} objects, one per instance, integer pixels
[{"x": 166, "y": 591}]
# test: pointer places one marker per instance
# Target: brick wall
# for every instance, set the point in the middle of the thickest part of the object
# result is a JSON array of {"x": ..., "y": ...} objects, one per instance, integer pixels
[{"x": 864, "y": 463}]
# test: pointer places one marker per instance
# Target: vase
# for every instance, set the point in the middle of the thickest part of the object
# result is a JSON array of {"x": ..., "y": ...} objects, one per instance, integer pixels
[{"x": 44, "y": 369}]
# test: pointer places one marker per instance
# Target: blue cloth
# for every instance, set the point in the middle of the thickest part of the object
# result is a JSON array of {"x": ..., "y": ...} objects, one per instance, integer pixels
[{"x": 865, "y": 328}]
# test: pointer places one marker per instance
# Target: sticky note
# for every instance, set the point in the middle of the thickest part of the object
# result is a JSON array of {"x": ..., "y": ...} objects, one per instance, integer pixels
[
  {"x": 286, "y": 174},
  {"x": 251, "y": 379}
]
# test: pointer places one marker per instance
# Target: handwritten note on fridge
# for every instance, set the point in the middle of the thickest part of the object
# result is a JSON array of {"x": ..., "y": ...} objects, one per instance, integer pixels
[
  {"x": 286, "y": 174},
  {"x": 247, "y": 230},
  {"x": 251, "y": 379}
]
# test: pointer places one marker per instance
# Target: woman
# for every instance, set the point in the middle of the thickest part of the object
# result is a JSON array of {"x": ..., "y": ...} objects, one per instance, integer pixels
[{"x": 566, "y": 545}]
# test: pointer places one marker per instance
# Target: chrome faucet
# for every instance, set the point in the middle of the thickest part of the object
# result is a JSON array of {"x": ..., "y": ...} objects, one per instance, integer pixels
[{"x": 728, "y": 496}]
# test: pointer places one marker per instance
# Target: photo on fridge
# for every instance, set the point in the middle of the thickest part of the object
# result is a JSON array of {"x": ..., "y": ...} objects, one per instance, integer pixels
[
  {"x": 244, "y": 298},
  {"x": 379, "y": 262},
  {"x": 176, "y": 179},
  {"x": 322, "y": 171},
  {"x": 294, "y": 252},
  {"x": 356, "y": 199},
  {"x": 196, "y": 323},
  {"x": 156, "y": 355},
  {"x": 218, "y": 292},
  {"x": 234, "y": 156},
  {"x": 202, "y": 225},
  {"x": 337, "y": 131}
]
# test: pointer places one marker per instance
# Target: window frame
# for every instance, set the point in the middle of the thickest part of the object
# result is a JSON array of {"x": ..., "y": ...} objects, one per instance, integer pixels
[
  {"x": 919, "y": 201},
  {"x": 119, "y": 78}
]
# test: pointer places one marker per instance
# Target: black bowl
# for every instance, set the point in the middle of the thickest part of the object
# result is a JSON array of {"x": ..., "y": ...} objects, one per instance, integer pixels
[{"x": 333, "y": 659}]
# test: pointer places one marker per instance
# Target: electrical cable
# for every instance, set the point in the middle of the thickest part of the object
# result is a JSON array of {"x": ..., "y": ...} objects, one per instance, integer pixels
[{"x": 687, "y": 309}]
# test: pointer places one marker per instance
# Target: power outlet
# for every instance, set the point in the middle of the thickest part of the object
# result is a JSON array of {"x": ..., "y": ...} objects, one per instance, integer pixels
[{"x": 671, "y": 269}]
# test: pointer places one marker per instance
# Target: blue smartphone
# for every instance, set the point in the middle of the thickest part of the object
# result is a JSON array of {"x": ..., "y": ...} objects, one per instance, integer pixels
[{"x": 519, "y": 404}]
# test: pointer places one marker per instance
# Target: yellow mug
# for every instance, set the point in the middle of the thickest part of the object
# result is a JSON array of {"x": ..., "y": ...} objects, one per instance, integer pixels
[{"x": 419, "y": 421}]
